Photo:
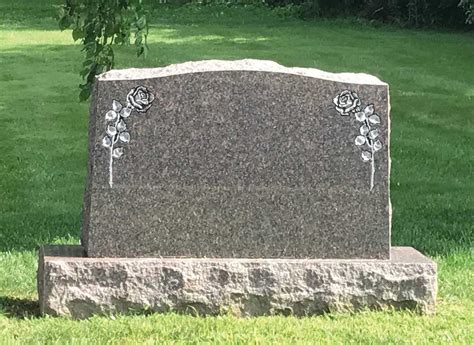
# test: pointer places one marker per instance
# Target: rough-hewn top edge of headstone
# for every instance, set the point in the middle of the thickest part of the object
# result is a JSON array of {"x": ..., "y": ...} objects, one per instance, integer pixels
[{"x": 237, "y": 65}]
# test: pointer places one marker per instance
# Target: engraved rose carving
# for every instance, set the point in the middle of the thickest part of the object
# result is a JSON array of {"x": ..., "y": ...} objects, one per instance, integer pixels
[
  {"x": 117, "y": 133},
  {"x": 140, "y": 98},
  {"x": 347, "y": 102}
]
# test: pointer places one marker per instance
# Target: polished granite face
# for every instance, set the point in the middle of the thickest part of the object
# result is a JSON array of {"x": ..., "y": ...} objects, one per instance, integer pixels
[{"x": 239, "y": 159}]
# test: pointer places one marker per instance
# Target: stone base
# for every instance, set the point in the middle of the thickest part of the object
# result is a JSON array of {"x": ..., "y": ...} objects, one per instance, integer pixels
[{"x": 74, "y": 285}]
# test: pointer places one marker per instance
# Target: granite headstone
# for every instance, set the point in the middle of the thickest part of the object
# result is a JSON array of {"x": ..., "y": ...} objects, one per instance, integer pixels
[
  {"x": 238, "y": 159},
  {"x": 221, "y": 186}
]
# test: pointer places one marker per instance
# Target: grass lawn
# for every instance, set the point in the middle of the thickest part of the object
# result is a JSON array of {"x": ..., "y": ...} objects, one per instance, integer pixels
[{"x": 43, "y": 145}]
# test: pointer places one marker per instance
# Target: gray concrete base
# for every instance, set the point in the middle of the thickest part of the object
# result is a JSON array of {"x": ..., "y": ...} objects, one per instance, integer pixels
[{"x": 74, "y": 285}]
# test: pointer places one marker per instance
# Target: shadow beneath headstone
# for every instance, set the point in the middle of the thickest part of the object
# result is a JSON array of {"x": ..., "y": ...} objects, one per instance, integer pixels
[{"x": 19, "y": 308}]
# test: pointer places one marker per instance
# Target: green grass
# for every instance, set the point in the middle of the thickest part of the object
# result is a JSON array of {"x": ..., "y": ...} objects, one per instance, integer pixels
[{"x": 43, "y": 145}]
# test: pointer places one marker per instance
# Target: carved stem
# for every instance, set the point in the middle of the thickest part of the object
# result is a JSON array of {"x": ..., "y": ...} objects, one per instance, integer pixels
[
  {"x": 370, "y": 142},
  {"x": 373, "y": 167},
  {"x": 111, "y": 161},
  {"x": 111, "y": 166}
]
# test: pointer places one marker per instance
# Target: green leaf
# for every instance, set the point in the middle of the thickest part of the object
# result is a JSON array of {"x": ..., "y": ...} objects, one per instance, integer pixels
[
  {"x": 110, "y": 29},
  {"x": 138, "y": 41},
  {"x": 77, "y": 34},
  {"x": 84, "y": 72},
  {"x": 87, "y": 63},
  {"x": 141, "y": 23},
  {"x": 86, "y": 90},
  {"x": 61, "y": 13},
  {"x": 64, "y": 23}
]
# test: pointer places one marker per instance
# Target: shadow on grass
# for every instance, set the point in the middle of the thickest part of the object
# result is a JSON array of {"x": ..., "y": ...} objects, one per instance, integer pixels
[{"x": 19, "y": 308}]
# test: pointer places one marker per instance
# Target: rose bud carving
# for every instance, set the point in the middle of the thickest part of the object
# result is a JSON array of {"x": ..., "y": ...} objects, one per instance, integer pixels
[
  {"x": 140, "y": 98},
  {"x": 347, "y": 102}
]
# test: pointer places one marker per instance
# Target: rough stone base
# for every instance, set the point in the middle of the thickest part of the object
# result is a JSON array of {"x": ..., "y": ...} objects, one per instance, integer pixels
[{"x": 71, "y": 284}]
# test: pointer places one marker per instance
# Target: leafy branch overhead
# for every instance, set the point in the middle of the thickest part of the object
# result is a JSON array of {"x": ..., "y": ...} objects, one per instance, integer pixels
[
  {"x": 468, "y": 6},
  {"x": 99, "y": 24}
]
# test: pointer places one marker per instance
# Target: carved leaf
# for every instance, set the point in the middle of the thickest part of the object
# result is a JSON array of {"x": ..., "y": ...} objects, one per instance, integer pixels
[
  {"x": 374, "y": 134},
  {"x": 118, "y": 152},
  {"x": 366, "y": 156},
  {"x": 111, "y": 130},
  {"x": 364, "y": 130},
  {"x": 121, "y": 126},
  {"x": 360, "y": 140},
  {"x": 374, "y": 119},
  {"x": 126, "y": 112},
  {"x": 124, "y": 137},
  {"x": 110, "y": 115},
  {"x": 377, "y": 145},
  {"x": 116, "y": 106},
  {"x": 106, "y": 142},
  {"x": 369, "y": 110},
  {"x": 360, "y": 116}
]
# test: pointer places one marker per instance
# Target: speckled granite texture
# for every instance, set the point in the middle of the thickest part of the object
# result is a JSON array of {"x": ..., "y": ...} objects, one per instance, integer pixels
[
  {"x": 238, "y": 160},
  {"x": 80, "y": 287}
]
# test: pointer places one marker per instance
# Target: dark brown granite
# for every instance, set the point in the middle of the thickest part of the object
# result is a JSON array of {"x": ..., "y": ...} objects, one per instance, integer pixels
[{"x": 250, "y": 163}]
